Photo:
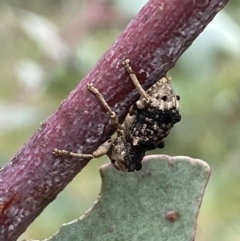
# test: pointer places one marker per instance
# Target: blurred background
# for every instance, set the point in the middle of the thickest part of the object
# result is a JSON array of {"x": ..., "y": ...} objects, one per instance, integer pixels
[{"x": 46, "y": 47}]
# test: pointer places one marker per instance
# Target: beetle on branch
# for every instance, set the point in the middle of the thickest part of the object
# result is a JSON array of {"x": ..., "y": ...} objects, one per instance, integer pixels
[{"x": 145, "y": 127}]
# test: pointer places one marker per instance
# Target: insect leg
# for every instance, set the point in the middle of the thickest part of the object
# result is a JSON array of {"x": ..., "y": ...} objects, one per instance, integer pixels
[
  {"x": 57, "y": 152},
  {"x": 134, "y": 79},
  {"x": 102, "y": 150},
  {"x": 113, "y": 116}
]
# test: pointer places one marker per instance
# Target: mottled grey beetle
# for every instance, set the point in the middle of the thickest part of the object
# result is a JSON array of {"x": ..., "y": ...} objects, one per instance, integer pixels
[{"x": 145, "y": 127}]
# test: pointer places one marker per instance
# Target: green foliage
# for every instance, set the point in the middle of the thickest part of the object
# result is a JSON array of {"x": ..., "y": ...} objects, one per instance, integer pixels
[
  {"x": 34, "y": 82},
  {"x": 161, "y": 202}
]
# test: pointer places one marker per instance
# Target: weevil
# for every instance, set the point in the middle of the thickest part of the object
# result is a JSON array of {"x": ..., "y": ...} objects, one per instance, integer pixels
[{"x": 145, "y": 127}]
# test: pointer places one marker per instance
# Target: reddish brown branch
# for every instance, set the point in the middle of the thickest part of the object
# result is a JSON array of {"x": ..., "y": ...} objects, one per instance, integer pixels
[{"x": 153, "y": 42}]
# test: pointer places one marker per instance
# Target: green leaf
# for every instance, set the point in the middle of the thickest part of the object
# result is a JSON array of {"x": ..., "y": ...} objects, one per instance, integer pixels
[{"x": 160, "y": 202}]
